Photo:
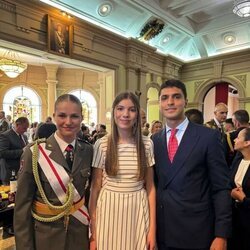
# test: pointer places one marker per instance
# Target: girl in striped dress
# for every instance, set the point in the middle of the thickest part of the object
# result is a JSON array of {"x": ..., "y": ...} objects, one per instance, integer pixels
[{"x": 122, "y": 199}]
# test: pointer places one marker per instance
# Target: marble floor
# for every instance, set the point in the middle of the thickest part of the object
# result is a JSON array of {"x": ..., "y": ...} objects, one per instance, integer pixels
[{"x": 6, "y": 242}]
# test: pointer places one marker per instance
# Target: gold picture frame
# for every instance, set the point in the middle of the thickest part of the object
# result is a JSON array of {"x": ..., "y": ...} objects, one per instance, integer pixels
[{"x": 60, "y": 33}]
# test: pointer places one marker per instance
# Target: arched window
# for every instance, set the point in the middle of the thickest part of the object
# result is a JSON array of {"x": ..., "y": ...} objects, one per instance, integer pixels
[
  {"x": 152, "y": 105},
  {"x": 89, "y": 109},
  {"x": 22, "y": 101}
]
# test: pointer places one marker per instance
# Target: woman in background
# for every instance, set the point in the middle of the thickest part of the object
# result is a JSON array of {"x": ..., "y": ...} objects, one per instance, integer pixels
[
  {"x": 241, "y": 193},
  {"x": 122, "y": 199},
  {"x": 156, "y": 126}
]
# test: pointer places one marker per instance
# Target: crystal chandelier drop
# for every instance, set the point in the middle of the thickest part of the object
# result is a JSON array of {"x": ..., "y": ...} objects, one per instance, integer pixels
[
  {"x": 242, "y": 8},
  {"x": 11, "y": 66}
]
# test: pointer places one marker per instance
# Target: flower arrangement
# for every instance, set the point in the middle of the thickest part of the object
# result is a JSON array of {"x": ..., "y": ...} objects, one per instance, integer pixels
[{"x": 151, "y": 29}]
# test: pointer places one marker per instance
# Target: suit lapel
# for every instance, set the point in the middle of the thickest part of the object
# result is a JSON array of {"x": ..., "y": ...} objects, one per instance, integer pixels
[
  {"x": 188, "y": 142},
  {"x": 246, "y": 178},
  {"x": 234, "y": 170},
  {"x": 163, "y": 147},
  {"x": 56, "y": 153},
  {"x": 16, "y": 139}
]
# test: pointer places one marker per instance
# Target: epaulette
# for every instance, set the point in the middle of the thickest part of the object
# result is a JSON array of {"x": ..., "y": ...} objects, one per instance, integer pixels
[
  {"x": 38, "y": 142},
  {"x": 82, "y": 140},
  {"x": 210, "y": 124}
]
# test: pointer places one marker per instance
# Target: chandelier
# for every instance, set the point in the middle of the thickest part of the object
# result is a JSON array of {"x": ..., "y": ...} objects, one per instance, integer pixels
[
  {"x": 11, "y": 66},
  {"x": 242, "y": 8}
]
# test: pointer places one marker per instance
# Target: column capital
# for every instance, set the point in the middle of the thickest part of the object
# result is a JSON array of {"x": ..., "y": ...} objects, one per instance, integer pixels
[
  {"x": 51, "y": 82},
  {"x": 51, "y": 70}
]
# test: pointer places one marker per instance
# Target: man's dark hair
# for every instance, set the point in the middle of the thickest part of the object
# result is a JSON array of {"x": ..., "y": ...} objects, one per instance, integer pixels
[
  {"x": 103, "y": 126},
  {"x": 49, "y": 119},
  {"x": 22, "y": 120},
  {"x": 45, "y": 130},
  {"x": 229, "y": 120},
  {"x": 84, "y": 127},
  {"x": 241, "y": 116},
  {"x": 247, "y": 134},
  {"x": 174, "y": 83},
  {"x": 195, "y": 116}
]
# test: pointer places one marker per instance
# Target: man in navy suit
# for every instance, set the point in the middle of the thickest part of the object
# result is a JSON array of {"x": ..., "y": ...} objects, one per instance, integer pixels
[{"x": 193, "y": 192}]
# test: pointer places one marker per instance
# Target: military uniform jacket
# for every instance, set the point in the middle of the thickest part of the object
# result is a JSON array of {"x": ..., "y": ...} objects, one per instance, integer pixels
[{"x": 31, "y": 234}]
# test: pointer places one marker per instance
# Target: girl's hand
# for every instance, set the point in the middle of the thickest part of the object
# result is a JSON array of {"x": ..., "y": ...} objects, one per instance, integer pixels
[
  {"x": 92, "y": 244},
  {"x": 151, "y": 241},
  {"x": 238, "y": 194}
]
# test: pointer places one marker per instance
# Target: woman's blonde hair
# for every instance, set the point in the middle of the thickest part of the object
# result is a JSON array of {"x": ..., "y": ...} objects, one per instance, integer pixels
[
  {"x": 111, "y": 163},
  {"x": 153, "y": 125}
]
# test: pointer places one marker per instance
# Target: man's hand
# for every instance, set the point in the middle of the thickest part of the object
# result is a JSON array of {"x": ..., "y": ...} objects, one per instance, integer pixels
[{"x": 219, "y": 244}]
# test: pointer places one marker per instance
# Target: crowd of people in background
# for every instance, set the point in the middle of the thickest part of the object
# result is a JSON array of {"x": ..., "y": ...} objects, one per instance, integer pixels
[{"x": 217, "y": 149}]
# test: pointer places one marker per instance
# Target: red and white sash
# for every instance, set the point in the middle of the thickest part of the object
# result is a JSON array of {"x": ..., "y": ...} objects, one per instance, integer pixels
[{"x": 59, "y": 179}]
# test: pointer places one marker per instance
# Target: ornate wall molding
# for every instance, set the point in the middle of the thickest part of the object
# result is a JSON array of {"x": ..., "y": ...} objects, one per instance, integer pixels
[
  {"x": 191, "y": 105},
  {"x": 217, "y": 68},
  {"x": 152, "y": 85},
  {"x": 171, "y": 69},
  {"x": 197, "y": 85},
  {"x": 7, "y": 6},
  {"x": 242, "y": 79}
]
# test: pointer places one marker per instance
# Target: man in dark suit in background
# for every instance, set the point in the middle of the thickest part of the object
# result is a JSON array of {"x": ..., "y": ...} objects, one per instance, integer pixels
[
  {"x": 193, "y": 194},
  {"x": 12, "y": 143},
  {"x": 4, "y": 124}
]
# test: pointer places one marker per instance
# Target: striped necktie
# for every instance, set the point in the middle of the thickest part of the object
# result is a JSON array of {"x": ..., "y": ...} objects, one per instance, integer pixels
[{"x": 69, "y": 155}]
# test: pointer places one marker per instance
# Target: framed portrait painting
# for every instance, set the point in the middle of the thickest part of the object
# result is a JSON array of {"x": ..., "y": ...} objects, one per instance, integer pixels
[{"x": 60, "y": 34}]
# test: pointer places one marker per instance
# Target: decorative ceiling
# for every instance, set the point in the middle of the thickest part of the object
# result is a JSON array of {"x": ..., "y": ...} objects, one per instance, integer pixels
[{"x": 193, "y": 29}]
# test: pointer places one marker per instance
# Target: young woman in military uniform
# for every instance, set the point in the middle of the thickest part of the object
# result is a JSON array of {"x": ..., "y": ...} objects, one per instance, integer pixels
[{"x": 53, "y": 178}]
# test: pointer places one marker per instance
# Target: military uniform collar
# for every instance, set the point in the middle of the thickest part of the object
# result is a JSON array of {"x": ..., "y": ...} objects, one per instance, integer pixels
[{"x": 62, "y": 144}]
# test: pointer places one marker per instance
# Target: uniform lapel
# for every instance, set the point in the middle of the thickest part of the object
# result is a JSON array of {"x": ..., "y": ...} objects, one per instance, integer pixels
[
  {"x": 188, "y": 142},
  {"x": 78, "y": 156},
  {"x": 56, "y": 153}
]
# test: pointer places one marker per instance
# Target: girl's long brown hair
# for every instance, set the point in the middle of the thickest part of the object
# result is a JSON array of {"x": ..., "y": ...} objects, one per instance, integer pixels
[{"x": 111, "y": 163}]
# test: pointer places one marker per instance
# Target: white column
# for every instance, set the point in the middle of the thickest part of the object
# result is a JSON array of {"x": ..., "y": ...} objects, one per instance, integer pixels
[
  {"x": 132, "y": 79},
  {"x": 52, "y": 82},
  {"x": 143, "y": 89}
]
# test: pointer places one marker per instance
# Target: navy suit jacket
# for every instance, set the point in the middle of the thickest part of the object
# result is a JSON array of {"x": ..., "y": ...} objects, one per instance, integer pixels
[{"x": 193, "y": 192}]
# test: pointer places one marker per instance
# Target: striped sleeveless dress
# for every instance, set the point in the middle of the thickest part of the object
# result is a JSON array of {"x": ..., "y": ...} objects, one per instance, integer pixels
[{"x": 122, "y": 213}]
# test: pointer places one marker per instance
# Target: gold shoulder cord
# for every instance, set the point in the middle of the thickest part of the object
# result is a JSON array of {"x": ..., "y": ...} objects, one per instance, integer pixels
[
  {"x": 69, "y": 194},
  {"x": 230, "y": 142}
]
